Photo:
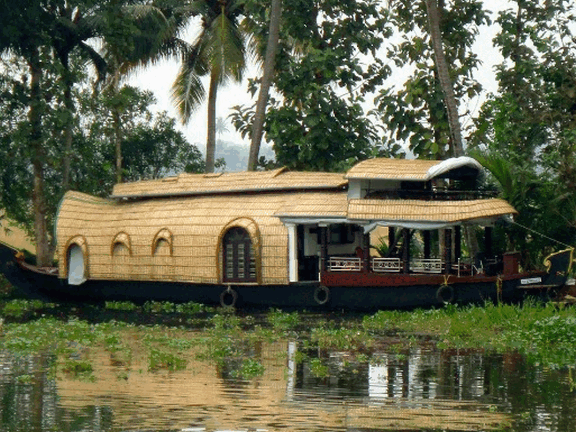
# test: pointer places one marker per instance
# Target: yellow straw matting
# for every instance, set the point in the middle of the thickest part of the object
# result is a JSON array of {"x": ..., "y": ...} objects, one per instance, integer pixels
[
  {"x": 430, "y": 211},
  {"x": 193, "y": 184}
]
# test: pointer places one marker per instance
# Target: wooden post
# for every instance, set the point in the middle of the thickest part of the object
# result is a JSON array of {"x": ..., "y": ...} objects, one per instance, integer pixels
[
  {"x": 406, "y": 249},
  {"x": 323, "y": 249},
  {"x": 457, "y": 242},
  {"x": 488, "y": 241},
  {"x": 391, "y": 239},
  {"x": 366, "y": 252},
  {"x": 448, "y": 250},
  {"x": 426, "y": 236}
]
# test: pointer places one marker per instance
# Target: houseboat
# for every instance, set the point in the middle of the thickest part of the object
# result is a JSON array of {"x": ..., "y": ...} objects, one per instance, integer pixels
[{"x": 290, "y": 239}]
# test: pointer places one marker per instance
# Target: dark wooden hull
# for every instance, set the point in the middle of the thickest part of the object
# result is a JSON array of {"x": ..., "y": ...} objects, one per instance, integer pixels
[{"x": 336, "y": 291}]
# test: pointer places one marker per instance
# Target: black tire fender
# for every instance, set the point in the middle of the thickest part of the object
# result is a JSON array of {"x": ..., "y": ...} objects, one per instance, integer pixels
[
  {"x": 321, "y": 294},
  {"x": 445, "y": 294},
  {"x": 228, "y": 298}
]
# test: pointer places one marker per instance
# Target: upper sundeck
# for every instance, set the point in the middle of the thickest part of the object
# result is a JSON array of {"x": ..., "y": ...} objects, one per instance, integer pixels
[
  {"x": 380, "y": 178},
  {"x": 383, "y": 178}
]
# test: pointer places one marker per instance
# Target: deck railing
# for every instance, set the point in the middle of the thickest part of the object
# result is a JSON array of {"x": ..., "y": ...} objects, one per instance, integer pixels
[
  {"x": 396, "y": 265},
  {"x": 345, "y": 264},
  {"x": 426, "y": 265},
  {"x": 384, "y": 265}
]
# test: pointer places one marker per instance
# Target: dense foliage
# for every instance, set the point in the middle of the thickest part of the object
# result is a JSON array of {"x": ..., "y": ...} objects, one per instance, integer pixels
[
  {"x": 352, "y": 80},
  {"x": 525, "y": 133},
  {"x": 326, "y": 64}
]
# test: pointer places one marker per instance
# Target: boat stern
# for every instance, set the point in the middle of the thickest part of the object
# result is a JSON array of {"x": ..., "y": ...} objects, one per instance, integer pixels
[{"x": 558, "y": 266}]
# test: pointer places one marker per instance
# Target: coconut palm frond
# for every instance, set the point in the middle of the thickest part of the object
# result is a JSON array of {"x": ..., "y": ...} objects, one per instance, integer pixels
[
  {"x": 517, "y": 184},
  {"x": 196, "y": 8},
  {"x": 500, "y": 169},
  {"x": 145, "y": 12},
  {"x": 187, "y": 93},
  {"x": 96, "y": 59},
  {"x": 226, "y": 49}
]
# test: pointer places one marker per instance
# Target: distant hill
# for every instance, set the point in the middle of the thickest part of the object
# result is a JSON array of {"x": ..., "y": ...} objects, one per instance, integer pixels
[{"x": 236, "y": 155}]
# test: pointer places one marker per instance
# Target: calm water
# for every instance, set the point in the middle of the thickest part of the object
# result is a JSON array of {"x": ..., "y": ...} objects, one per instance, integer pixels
[{"x": 417, "y": 389}]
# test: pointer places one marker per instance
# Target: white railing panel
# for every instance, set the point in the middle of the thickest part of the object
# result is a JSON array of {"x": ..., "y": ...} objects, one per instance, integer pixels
[
  {"x": 423, "y": 265},
  {"x": 344, "y": 264},
  {"x": 383, "y": 265}
]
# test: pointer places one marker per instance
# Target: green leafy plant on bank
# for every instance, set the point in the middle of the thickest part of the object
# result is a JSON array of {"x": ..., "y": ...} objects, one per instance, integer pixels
[
  {"x": 18, "y": 308},
  {"x": 232, "y": 347},
  {"x": 283, "y": 321},
  {"x": 81, "y": 369},
  {"x": 124, "y": 306},
  {"x": 163, "y": 359},
  {"x": 541, "y": 332},
  {"x": 354, "y": 339},
  {"x": 5, "y": 287}
]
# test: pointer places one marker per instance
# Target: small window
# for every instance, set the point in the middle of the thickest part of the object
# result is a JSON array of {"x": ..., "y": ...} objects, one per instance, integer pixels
[
  {"x": 162, "y": 248},
  {"x": 120, "y": 249},
  {"x": 162, "y": 244},
  {"x": 121, "y": 245}
]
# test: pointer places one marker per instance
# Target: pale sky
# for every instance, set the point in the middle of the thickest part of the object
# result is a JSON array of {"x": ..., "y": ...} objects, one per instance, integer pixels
[{"x": 160, "y": 77}]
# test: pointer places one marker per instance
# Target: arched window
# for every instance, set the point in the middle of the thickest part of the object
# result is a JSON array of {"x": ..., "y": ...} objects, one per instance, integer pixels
[
  {"x": 121, "y": 245},
  {"x": 162, "y": 256},
  {"x": 162, "y": 244},
  {"x": 120, "y": 250},
  {"x": 239, "y": 260},
  {"x": 162, "y": 248}
]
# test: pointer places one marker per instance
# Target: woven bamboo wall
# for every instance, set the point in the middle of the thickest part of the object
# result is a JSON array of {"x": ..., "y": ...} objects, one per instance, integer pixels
[{"x": 173, "y": 239}]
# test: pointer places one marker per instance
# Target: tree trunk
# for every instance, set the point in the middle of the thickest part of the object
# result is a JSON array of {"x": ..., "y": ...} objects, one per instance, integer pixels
[
  {"x": 43, "y": 257},
  {"x": 117, "y": 142},
  {"x": 211, "y": 138},
  {"x": 457, "y": 147},
  {"x": 269, "y": 60},
  {"x": 69, "y": 103}
]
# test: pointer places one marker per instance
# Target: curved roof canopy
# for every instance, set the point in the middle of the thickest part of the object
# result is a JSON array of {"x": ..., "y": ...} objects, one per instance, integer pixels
[{"x": 415, "y": 169}]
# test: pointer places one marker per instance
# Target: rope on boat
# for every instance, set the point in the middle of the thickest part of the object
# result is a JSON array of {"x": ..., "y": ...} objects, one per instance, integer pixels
[
  {"x": 499, "y": 289},
  {"x": 542, "y": 235}
]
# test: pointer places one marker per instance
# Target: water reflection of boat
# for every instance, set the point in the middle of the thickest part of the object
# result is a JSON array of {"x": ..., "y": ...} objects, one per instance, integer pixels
[
  {"x": 452, "y": 389},
  {"x": 197, "y": 399},
  {"x": 282, "y": 238}
]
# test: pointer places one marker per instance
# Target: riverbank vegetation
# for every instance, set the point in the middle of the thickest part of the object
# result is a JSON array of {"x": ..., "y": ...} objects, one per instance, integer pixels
[{"x": 166, "y": 332}]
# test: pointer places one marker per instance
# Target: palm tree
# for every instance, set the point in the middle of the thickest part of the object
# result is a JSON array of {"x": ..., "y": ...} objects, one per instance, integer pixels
[
  {"x": 269, "y": 60},
  {"x": 221, "y": 126},
  {"x": 434, "y": 16},
  {"x": 73, "y": 27},
  {"x": 26, "y": 26},
  {"x": 219, "y": 52},
  {"x": 152, "y": 35}
]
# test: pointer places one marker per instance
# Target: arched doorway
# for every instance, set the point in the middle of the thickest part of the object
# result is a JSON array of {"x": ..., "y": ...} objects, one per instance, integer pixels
[
  {"x": 239, "y": 259},
  {"x": 76, "y": 265}
]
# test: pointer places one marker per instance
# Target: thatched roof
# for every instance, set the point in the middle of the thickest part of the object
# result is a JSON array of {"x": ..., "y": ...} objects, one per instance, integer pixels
[
  {"x": 255, "y": 181},
  {"x": 428, "y": 211},
  {"x": 408, "y": 169},
  {"x": 315, "y": 205}
]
